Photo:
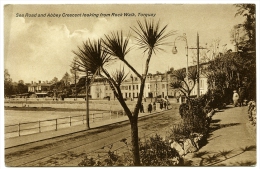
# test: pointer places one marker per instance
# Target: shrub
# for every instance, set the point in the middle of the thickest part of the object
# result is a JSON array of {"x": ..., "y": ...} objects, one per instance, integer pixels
[
  {"x": 217, "y": 98},
  {"x": 153, "y": 152},
  {"x": 194, "y": 116},
  {"x": 156, "y": 152},
  {"x": 194, "y": 120},
  {"x": 87, "y": 162}
]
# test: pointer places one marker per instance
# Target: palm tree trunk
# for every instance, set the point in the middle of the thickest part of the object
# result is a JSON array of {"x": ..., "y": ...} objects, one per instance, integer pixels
[
  {"x": 134, "y": 118},
  {"x": 135, "y": 140}
]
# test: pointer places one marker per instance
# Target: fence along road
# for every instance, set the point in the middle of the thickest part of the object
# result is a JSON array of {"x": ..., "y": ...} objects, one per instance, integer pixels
[
  {"x": 26, "y": 128},
  {"x": 112, "y": 110}
]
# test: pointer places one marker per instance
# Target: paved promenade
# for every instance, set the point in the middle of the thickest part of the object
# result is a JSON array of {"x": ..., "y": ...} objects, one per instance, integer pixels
[{"x": 232, "y": 141}]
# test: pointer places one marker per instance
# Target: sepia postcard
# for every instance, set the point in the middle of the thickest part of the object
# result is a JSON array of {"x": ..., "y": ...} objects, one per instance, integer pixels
[{"x": 152, "y": 84}]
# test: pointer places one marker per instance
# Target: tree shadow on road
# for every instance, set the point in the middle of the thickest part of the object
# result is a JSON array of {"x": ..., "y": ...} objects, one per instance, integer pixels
[
  {"x": 215, "y": 121},
  {"x": 244, "y": 163},
  {"x": 214, "y": 127}
]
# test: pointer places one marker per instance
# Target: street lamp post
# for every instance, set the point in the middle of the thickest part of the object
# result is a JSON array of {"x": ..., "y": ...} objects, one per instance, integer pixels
[
  {"x": 166, "y": 84},
  {"x": 132, "y": 87},
  {"x": 75, "y": 79},
  {"x": 156, "y": 88},
  {"x": 198, "y": 70},
  {"x": 174, "y": 51}
]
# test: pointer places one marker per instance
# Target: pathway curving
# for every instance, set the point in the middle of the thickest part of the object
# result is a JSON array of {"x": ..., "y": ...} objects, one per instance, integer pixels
[{"x": 232, "y": 140}]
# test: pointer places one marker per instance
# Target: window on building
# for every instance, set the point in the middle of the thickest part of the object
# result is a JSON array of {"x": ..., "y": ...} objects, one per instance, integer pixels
[
  {"x": 125, "y": 95},
  {"x": 137, "y": 94},
  {"x": 163, "y": 86},
  {"x": 129, "y": 87},
  {"x": 129, "y": 94},
  {"x": 136, "y": 87},
  {"x": 133, "y": 87},
  {"x": 201, "y": 84},
  {"x": 133, "y": 94}
]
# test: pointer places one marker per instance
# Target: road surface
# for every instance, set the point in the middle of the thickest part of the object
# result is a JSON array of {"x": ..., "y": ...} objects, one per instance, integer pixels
[{"x": 71, "y": 149}]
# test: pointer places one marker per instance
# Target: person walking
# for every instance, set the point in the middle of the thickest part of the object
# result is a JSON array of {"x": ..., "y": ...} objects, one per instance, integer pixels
[
  {"x": 164, "y": 104},
  {"x": 161, "y": 105},
  {"x": 142, "y": 108},
  {"x": 241, "y": 93},
  {"x": 154, "y": 106},
  {"x": 235, "y": 98},
  {"x": 150, "y": 107}
]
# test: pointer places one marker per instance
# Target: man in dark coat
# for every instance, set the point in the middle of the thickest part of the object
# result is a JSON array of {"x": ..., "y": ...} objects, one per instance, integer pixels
[
  {"x": 142, "y": 108},
  {"x": 150, "y": 107},
  {"x": 161, "y": 105}
]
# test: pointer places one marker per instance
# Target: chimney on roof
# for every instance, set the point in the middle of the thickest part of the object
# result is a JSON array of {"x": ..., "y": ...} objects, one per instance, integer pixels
[
  {"x": 39, "y": 82},
  {"x": 32, "y": 82}
]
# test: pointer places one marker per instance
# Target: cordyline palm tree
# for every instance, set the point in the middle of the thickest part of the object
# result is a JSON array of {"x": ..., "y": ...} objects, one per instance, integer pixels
[
  {"x": 91, "y": 60},
  {"x": 181, "y": 84},
  {"x": 114, "y": 46}
]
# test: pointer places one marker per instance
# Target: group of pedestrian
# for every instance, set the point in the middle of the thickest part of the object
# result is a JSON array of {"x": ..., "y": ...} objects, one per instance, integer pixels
[
  {"x": 152, "y": 106},
  {"x": 163, "y": 104}
]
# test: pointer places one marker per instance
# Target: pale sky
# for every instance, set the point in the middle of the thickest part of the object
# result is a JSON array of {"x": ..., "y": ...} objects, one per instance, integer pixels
[{"x": 40, "y": 48}]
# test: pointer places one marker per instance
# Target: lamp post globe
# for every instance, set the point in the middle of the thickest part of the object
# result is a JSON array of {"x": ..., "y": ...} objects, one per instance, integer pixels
[{"x": 174, "y": 50}]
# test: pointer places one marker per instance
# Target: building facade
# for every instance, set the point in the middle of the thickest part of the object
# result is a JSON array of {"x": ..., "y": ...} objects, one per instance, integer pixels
[
  {"x": 156, "y": 85},
  {"x": 39, "y": 87}
]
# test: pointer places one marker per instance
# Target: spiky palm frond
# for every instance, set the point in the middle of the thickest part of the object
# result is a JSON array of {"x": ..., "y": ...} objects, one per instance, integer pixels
[
  {"x": 119, "y": 76},
  {"x": 91, "y": 56},
  {"x": 176, "y": 84},
  {"x": 180, "y": 74},
  {"x": 150, "y": 37},
  {"x": 193, "y": 74},
  {"x": 116, "y": 45}
]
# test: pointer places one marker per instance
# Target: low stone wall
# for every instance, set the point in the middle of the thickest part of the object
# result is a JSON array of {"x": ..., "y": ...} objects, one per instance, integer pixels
[{"x": 80, "y": 103}]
